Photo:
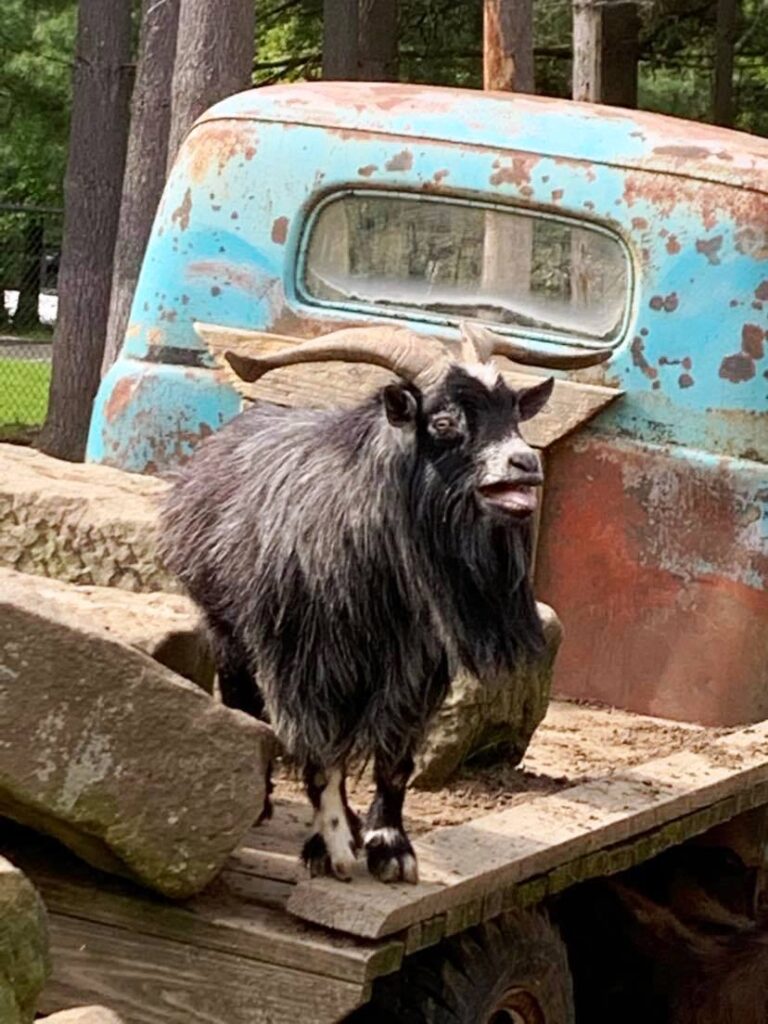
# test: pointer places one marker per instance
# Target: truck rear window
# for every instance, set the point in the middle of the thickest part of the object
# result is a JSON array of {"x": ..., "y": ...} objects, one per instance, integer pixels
[{"x": 438, "y": 258}]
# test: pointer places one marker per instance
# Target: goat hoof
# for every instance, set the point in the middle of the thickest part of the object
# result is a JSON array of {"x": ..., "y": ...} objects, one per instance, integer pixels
[
  {"x": 320, "y": 864},
  {"x": 390, "y": 856}
]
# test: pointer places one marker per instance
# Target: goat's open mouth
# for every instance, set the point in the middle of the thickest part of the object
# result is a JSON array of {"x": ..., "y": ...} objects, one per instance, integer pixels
[{"x": 514, "y": 497}]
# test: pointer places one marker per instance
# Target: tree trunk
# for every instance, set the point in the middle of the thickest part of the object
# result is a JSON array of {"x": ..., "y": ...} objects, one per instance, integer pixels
[
  {"x": 722, "y": 100},
  {"x": 27, "y": 315},
  {"x": 101, "y": 89},
  {"x": 378, "y": 41},
  {"x": 215, "y": 47},
  {"x": 145, "y": 162},
  {"x": 340, "y": 39},
  {"x": 508, "y": 45},
  {"x": 605, "y": 52}
]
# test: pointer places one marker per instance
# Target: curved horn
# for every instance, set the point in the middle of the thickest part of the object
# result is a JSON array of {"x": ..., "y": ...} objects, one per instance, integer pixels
[
  {"x": 409, "y": 355},
  {"x": 567, "y": 358}
]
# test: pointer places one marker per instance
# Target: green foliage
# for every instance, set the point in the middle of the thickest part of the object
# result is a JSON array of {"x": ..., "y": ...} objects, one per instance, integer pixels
[{"x": 36, "y": 48}]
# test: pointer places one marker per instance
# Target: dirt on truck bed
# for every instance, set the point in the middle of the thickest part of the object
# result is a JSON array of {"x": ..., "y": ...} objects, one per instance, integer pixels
[{"x": 574, "y": 743}]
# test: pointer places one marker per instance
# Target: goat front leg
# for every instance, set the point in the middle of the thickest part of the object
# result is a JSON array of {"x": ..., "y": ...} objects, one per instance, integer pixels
[
  {"x": 388, "y": 849},
  {"x": 332, "y": 847}
]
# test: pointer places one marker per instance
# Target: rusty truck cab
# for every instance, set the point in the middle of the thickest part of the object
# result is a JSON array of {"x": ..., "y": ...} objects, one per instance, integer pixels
[{"x": 297, "y": 209}]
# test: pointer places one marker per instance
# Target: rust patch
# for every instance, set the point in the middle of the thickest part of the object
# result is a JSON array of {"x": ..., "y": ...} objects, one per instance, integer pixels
[
  {"x": 249, "y": 152},
  {"x": 710, "y": 247},
  {"x": 213, "y": 145},
  {"x": 439, "y": 176},
  {"x": 761, "y": 292},
  {"x": 668, "y": 303},
  {"x": 752, "y": 339},
  {"x": 215, "y": 290},
  {"x": 280, "y": 230},
  {"x": 685, "y": 380},
  {"x": 367, "y": 171},
  {"x": 182, "y": 212},
  {"x": 402, "y": 161},
  {"x": 683, "y": 152},
  {"x": 752, "y": 242},
  {"x": 557, "y": 195},
  {"x": 637, "y": 350},
  {"x": 737, "y": 368},
  {"x": 244, "y": 278},
  {"x": 639, "y": 223},
  {"x": 120, "y": 397},
  {"x": 687, "y": 363},
  {"x": 518, "y": 172},
  {"x": 673, "y": 246}
]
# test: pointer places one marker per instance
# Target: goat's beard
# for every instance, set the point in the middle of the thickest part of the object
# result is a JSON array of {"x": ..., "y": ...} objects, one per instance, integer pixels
[{"x": 480, "y": 567}]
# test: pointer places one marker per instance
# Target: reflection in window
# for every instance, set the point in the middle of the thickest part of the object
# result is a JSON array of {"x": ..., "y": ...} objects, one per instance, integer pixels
[{"x": 466, "y": 260}]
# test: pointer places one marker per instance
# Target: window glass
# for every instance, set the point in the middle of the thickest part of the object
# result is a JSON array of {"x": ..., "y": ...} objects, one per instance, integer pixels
[{"x": 456, "y": 259}]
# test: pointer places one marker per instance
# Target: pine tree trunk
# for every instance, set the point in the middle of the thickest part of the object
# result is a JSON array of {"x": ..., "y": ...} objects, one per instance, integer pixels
[
  {"x": 27, "y": 315},
  {"x": 378, "y": 41},
  {"x": 101, "y": 89},
  {"x": 145, "y": 162},
  {"x": 215, "y": 47},
  {"x": 341, "y": 58}
]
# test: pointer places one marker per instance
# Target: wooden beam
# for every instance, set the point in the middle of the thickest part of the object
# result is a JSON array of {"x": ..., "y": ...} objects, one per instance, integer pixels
[
  {"x": 725, "y": 33},
  {"x": 508, "y": 45},
  {"x": 342, "y": 385},
  {"x": 470, "y": 862},
  {"x": 605, "y": 52}
]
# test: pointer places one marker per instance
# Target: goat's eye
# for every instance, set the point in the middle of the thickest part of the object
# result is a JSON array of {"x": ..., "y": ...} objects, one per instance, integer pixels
[{"x": 444, "y": 424}]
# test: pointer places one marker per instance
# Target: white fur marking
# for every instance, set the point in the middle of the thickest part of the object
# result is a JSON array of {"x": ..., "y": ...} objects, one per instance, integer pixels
[
  {"x": 387, "y": 835},
  {"x": 486, "y": 373},
  {"x": 338, "y": 840}
]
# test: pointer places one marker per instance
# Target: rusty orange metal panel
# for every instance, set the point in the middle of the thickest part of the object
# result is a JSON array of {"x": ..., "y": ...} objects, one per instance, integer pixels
[{"x": 657, "y": 562}]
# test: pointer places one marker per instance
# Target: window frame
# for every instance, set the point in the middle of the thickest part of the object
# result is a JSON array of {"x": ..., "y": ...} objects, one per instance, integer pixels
[{"x": 415, "y": 314}]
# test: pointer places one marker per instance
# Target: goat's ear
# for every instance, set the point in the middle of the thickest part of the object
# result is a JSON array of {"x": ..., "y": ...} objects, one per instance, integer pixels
[
  {"x": 400, "y": 405},
  {"x": 533, "y": 400}
]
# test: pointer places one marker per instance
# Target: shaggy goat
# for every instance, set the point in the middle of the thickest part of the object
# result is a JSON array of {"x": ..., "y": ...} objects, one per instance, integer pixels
[{"x": 348, "y": 561}]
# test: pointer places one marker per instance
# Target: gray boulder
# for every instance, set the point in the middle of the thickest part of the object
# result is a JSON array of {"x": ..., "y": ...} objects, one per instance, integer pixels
[
  {"x": 489, "y": 722},
  {"x": 24, "y": 963},
  {"x": 134, "y": 768},
  {"x": 80, "y": 523}
]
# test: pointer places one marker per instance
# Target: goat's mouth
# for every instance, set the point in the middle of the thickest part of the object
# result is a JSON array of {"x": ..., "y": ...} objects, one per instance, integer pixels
[{"x": 516, "y": 498}]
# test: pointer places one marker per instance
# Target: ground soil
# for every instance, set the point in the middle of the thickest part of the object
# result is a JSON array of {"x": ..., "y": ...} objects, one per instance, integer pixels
[{"x": 575, "y": 743}]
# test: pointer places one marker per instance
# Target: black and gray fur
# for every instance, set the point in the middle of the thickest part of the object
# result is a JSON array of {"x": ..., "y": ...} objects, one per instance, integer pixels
[{"x": 348, "y": 565}]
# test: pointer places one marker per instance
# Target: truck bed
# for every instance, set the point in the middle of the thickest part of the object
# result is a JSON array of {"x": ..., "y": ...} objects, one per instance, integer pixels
[{"x": 598, "y": 791}]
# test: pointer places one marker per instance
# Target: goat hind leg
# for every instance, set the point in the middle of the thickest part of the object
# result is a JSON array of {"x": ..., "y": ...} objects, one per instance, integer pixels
[
  {"x": 388, "y": 849},
  {"x": 332, "y": 847}
]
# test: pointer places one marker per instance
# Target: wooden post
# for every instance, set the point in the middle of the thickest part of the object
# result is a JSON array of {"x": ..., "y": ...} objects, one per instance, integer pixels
[
  {"x": 340, "y": 39},
  {"x": 378, "y": 41},
  {"x": 508, "y": 45},
  {"x": 722, "y": 99},
  {"x": 605, "y": 52}
]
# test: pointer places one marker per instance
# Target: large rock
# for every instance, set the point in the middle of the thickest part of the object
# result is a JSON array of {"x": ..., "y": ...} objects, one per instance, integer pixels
[
  {"x": 137, "y": 770},
  {"x": 167, "y": 627},
  {"x": 24, "y": 964},
  {"x": 83, "y": 1015},
  {"x": 81, "y": 523},
  {"x": 478, "y": 721}
]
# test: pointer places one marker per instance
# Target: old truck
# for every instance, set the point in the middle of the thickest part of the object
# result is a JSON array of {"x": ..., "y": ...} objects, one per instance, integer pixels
[{"x": 582, "y": 232}]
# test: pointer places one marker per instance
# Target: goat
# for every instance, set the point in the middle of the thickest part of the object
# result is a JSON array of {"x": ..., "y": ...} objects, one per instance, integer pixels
[{"x": 347, "y": 561}]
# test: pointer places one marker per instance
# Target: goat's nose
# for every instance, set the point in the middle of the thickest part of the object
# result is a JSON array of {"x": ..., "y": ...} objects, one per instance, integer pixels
[{"x": 526, "y": 462}]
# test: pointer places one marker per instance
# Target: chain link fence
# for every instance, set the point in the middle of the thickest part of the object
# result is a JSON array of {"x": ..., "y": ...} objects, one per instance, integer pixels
[{"x": 30, "y": 247}]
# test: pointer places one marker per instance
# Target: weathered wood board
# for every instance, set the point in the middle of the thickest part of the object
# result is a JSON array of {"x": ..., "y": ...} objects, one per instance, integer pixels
[
  {"x": 235, "y": 954},
  {"x": 335, "y": 384},
  {"x": 466, "y": 863}
]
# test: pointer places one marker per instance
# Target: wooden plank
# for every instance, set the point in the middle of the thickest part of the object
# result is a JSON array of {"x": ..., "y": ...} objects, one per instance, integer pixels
[
  {"x": 148, "y": 980},
  {"x": 233, "y": 915},
  {"x": 342, "y": 385},
  {"x": 466, "y": 862}
]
